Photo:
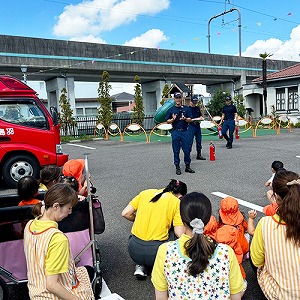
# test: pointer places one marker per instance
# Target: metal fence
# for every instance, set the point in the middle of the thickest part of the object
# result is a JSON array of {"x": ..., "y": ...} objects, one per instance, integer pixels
[{"x": 86, "y": 125}]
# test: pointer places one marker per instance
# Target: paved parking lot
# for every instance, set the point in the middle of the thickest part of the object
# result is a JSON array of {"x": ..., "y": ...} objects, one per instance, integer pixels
[{"x": 121, "y": 170}]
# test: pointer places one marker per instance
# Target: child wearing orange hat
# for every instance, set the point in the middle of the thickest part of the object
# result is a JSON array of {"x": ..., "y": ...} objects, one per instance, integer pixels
[
  {"x": 76, "y": 168},
  {"x": 232, "y": 228},
  {"x": 211, "y": 227}
]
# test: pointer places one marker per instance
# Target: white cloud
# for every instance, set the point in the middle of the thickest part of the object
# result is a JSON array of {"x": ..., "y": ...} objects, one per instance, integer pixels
[
  {"x": 149, "y": 39},
  {"x": 127, "y": 11},
  {"x": 286, "y": 50},
  {"x": 96, "y": 16}
]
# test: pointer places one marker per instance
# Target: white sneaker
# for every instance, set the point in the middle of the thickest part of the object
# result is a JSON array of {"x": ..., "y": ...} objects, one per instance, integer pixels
[{"x": 140, "y": 272}]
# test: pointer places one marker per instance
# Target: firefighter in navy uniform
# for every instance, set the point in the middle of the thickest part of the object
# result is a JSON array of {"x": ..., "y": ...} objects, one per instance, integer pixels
[
  {"x": 194, "y": 127},
  {"x": 179, "y": 116},
  {"x": 230, "y": 118}
]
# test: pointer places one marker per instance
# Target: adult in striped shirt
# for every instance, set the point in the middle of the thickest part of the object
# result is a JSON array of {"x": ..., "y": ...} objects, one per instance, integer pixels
[
  {"x": 275, "y": 248},
  {"x": 51, "y": 269}
]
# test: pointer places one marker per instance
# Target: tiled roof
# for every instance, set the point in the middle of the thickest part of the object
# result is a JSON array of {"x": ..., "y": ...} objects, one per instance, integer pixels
[
  {"x": 123, "y": 97},
  {"x": 293, "y": 71}
]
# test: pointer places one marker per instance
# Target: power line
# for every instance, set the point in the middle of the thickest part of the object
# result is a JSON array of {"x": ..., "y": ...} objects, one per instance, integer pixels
[{"x": 253, "y": 11}]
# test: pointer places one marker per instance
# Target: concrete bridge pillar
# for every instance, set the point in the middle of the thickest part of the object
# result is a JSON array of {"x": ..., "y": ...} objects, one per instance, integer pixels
[
  {"x": 54, "y": 87},
  {"x": 152, "y": 92}
]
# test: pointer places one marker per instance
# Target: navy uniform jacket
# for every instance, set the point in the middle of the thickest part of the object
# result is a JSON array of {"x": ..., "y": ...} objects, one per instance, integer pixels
[
  {"x": 195, "y": 113},
  {"x": 179, "y": 124},
  {"x": 229, "y": 111}
]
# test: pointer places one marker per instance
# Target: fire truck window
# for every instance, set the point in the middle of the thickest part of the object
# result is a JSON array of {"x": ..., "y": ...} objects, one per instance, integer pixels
[{"x": 26, "y": 114}]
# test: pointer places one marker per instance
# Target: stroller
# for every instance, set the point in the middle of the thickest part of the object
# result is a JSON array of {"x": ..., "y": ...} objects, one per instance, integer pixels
[{"x": 78, "y": 226}]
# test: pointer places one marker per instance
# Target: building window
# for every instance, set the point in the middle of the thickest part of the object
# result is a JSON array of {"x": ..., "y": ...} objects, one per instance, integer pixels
[
  {"x": 91, "y": 111},
  {"x": 280, "y": 99},
  {"x": 79, "y": 111},
  {"x": 293, "y": 98}
]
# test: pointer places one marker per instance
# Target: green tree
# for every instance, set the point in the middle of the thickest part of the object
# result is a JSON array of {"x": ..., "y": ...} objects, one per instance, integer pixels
[
  {"x": 240, "y": 107},
  {"x": 217, "y": 103},
  {"x": 65, "y": 117},
  {"x": 105, "y": 109},
  {"x": 165, "y": 94},
  {"x": 138, "y": 110},
  {"x": 264, "y": 57}
]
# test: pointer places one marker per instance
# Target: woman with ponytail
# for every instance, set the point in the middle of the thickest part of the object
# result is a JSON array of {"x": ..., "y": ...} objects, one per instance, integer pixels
[
  {"x": 153, "y": 213},
  {"x": 275, "y": 247},
  {"x": 195, "y": 266}
]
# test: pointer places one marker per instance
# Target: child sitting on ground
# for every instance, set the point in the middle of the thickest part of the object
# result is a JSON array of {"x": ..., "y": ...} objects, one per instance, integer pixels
[
  {"x": 251, "y": 217},
  {"x": 232, "y": 229},
  {"x": 270, "y": 210}
]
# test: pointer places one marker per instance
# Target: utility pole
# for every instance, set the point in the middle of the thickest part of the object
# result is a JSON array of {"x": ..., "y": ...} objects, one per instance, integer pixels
[{"x": 264, "y": 57}]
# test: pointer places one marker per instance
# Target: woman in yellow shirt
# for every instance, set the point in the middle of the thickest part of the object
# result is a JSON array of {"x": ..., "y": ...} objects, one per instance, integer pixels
[
  {"x": 51, "y": 269},
  {"x": 196, "y": 266},
  {"x": 153, "y": 212}
]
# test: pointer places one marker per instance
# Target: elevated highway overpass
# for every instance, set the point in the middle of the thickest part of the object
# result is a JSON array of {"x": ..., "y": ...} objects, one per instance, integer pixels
[{"x": 58, "y": 61}]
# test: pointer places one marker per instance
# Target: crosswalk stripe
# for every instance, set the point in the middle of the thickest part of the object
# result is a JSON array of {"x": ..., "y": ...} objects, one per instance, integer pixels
[{"x": 241, "y": 202}]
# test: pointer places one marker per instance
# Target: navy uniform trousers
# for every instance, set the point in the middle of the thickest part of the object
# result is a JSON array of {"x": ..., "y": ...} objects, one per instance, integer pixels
[
  {"x": 195, "y": 131},
  {"x": 181, "y": 139},
  {"x": 228, "y": 125}
]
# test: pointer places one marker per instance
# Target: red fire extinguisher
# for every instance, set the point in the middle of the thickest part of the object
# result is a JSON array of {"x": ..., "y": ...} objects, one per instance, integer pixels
[
  {"x": 220, "y": 132},
  {"x": 237, "y": 135},
  {"x": 212, "y": 154}
]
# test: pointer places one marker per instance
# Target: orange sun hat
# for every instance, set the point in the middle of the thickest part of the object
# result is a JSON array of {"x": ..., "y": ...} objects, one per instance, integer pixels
[
  {"x": 229, "y": 211},
  {"x": 74, "y": 167}
]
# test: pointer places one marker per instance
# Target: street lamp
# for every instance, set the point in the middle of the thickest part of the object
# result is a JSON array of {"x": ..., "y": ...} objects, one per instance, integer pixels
[{"x": 24, "y": 71}]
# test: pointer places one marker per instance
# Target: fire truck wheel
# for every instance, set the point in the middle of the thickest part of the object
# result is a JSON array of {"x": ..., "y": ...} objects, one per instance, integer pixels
[
  {"x": 19, "y": 166},
  {"x": 3, "y": 290}
]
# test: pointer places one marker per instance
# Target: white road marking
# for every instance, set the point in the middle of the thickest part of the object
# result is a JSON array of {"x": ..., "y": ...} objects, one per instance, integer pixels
[
  {"x": 298, "y": 156},
  {"x": 76, "y": 145},
  {"x": 241, "y": 202}
]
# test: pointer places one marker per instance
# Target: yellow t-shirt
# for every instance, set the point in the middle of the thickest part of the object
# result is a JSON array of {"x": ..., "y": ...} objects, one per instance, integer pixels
[
  {"x": 57, "y": 259},
  {"x": 160, "y": 283},
  {"x": 154, "y": 219},
  {"x": 42, "y": 187}
]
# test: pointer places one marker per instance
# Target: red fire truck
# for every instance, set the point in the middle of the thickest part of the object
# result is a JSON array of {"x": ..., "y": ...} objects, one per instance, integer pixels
[{"x": 29, "y": 133}]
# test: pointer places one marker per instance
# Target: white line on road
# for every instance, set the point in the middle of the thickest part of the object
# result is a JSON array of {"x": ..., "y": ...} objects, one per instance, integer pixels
[
  {"x": 75, "y": 145},
  {"x": 241, "y": 202},
  {"x": 298, "y": 156}
]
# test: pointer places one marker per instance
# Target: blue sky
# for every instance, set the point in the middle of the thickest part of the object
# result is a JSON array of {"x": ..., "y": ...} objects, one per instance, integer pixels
[{"x": 267, "y": 26}]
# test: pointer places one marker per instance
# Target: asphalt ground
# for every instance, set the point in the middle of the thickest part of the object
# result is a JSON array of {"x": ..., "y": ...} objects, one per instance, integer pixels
[{"x": 120, "y": 170}]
